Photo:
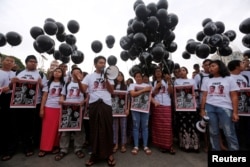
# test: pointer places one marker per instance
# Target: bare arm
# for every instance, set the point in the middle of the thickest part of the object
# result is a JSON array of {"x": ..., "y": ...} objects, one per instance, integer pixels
[
  {"x": 109, "y": 87},
  {"x": 134, "y": 93},
  {"x": 44, "y": 99},
  {"x": 203, "y": 102},
  {"x": 234, "y": 98}
]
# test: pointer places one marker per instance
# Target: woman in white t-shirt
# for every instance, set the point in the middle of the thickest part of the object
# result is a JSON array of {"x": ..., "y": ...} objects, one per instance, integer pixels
[
  {"x": 50, "y": 112},
  {"x": 162, "y": 112},
  {"x": 186, "y": 120},
  {"x": 139, "y": 117},
  {"x": 221, "y": 106}
]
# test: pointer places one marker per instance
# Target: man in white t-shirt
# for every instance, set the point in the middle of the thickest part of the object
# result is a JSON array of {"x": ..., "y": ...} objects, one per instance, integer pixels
[
  {"x": 5, "y": 112},
  {"x": 100, "y": 112},
  {"x": 28, "y": 122}
]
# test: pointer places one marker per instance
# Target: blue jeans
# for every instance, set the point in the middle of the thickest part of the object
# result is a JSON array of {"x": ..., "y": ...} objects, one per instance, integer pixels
[
  {"x": 140, "y": 118},
  {"x": 223, "y": 117}
]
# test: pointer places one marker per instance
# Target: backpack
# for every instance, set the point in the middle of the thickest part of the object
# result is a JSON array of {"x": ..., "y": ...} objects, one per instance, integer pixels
[
  {"x": 201, "y": 80},
  {"x": 246, "y": 79}
]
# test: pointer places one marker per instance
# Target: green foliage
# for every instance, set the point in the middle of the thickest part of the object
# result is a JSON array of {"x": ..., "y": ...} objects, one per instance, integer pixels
[{"x": 17, "y": 61}]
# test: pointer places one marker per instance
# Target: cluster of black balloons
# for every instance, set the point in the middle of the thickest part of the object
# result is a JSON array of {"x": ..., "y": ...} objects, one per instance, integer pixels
[
  {"x": 44, "y": 43},
  {"x": 12, "y": 38},
  {"x": 150, "y": 37},
  {"x": 245, "y": 29},
  {"x": 211, "y": 39}
]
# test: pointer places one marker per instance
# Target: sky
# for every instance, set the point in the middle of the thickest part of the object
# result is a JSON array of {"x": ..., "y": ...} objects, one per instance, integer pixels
[{"x": 100, "y": 18}]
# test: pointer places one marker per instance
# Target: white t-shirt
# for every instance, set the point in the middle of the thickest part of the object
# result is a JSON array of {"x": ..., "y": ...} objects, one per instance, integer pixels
[
  {"x": 133, "y": 85},
  {"x": 181, "y": 81},
  {"x": 97, "y": 89},
  {"x": 197, "y": 78},
  {"x": 33, "y": 75},
  {"x": 218, "y": 91},
  {"x": 163, "y": 96},
  {"x": 240, "y": 80},
  {"x": 5, "y": 77},
  {"x": 54, "y": 93},
  {"x": 73, "y": 92}
]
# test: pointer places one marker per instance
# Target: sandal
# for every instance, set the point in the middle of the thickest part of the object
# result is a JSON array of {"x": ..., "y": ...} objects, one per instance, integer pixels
[
  {"x": 123, "y": 149},
  {"x": 41, "y": 153},
  {"x": 29, "y": 153},
  {"x": 135, "y": 151},
  {"x": 60, "y": 156},
  {"x": 115, "y": 148},
  {"x": 90, "y": 162},
  {"x": 111, "y": 161},
  {"x": 80, "y": 154},
  {"x": 56, "y": 150},
  {"x": 147, "y": 151},
  {"x": 6, "y": 157},
  {"x": 172, "y": 151}
]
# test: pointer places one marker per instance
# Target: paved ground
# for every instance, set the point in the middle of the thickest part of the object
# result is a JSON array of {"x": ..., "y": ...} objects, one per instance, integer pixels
[{"x": 157, "y": 159}]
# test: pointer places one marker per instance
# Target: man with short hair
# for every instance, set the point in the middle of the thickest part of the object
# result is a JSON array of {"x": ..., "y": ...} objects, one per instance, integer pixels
[{"x": 100, "y": 113}]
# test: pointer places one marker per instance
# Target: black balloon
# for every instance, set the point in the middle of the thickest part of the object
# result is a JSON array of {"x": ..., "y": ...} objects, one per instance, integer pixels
[
  {"x": 169, "y": 37},
  {"x": 168, "y": 66},
  {"x": 172, "y": 47},
  {"x": 200, "y": 36},
  {"x": 49, "y": 20},
  {"x": 191, "y": 47},
  {"x": 137, "y": 2},
  {"x": 137, "y": 26},
  {"x": 73, "y": 26},
  {"x": 96, "y": 46},
  {"x": 126, "y": 43},
  {"x": 124, "y": 55},
  {"x": 231, "y": 34},
  {"x": 141, "y": 11},
  {"x": 205, "y": 21},
  {"x": 51, "y": 51},
  {"x": 186, "y": 55},
  {"x": 225, "y": 41},
  {"x": 176, "y": 66},
  {"x": 13, "y": 38},
  {"x": 61, "y": 37},
  {"x": 202, "y": 51},
  {"x": 60, "y": 28},
  {"x": 215, "y": 40},
  {"x": 130, "y": 30},
  {"x": 145, "y": 57},
  {"x": 134, "y": 69},
  {"x": 246, "y": 53},
  {"x": 172, "y": 20},
  {"x": 220, "y": 27},
  {"x": 134, "y": 51},
  {"x": 162, "y": 16},
  {"x": 152, "y": 24},
  {"x": 213, "y": 50},
  {"x": 152, "y": 9},
  {"x": 57, "y": 55},
  {"x": 65, "y": 59},
  {"x": 110, "y": 40},
  {"x": 50, "y": 28},
  {"x": 162, "y": 4},
  {"x": 246, "y": 40},
  {"x": 37, "y": 48},
  {"x": 44, "y": 43},
  {"x": 65, "y": 49},
  {"x": 77, "y": 57},
  {"x": 3, "y": 40},
  {"x": 210, "y": 29},
  {"x": 140, "y": 39},
  {"x": 112, "y": 60},
  {"x": 225, "y": 51},
  {"x": 70, "y": 39},
  {"x": 36, "y": 31},
  {"x": 158, "y": 53},
  {"x": 245, "y": 26}
]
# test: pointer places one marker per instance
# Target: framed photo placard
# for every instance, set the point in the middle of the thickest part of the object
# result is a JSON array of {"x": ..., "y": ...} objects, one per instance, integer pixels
[
  {"x": 244, "y": 102},
  {"x": 24, "y": 94},
  {"x": 119, "y": 103},
  {"x": 70, "y": 117},
  {"x": 141, "y": 103},
  {"x": 184, "y": 98}
]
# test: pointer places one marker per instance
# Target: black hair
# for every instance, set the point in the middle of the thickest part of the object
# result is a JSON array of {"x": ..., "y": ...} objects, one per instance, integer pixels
[
  {"x": 123, "y": 85},
  {"x": 30, "y": 57},
  {"x": 185, "y": 69},
  {"x": 223, "y": 71},
  {"x": 62, "y": 82},
  {"x": 98, "y": 58},
  {"x": 137, "y": 73},
  {"x": 76, "y": 68},
  {"x": 206, "y": 60},
  {"x": 233, "y": 64}
]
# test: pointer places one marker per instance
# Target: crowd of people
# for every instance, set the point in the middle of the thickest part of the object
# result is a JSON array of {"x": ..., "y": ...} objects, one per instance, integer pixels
[{"x": 150, "y": 113}]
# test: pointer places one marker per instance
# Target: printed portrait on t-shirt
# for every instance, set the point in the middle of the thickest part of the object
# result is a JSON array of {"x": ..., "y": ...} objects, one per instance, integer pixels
[
  {"x": 211, "y": 89},
  {"x": 99, "y": 84},
  {"x": 53, "y": 92},
  {"x": 221, "y": 89},
  {"x": 71, "y": 92}
]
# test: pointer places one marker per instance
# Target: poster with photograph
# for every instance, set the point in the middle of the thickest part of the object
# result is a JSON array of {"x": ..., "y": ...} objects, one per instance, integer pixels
[
  {"x": 119, "y": 103},
  {"x": 184, "y": 99},
  {"x": 244, "y": 102},
  {"x": 141, "y": 103},
  {"x": 24, "y": 94},
  {"x": 70, "y": 117}
]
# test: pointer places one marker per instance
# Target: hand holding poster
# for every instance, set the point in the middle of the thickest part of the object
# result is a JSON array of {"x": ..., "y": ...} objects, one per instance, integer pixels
[
  {"x": 24, "y": 94},
  {"x": 119, "y": 103},
  {"x": 141, "y": 103},
  {"x": 70, "y": 117},
  {"x": 184, "y": 98}
]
